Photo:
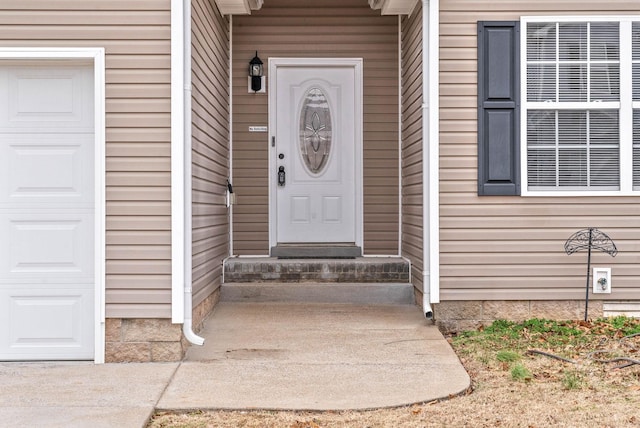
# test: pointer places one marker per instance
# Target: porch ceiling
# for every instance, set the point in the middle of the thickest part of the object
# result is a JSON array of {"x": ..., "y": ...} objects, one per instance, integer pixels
[{"x": 386, "y": 7}]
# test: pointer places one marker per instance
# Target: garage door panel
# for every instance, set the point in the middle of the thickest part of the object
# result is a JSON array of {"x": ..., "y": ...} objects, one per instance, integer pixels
[
  {"x": 46, "y": 246},
  {"x": 38, "y": 321},
  {"x": 52, "y": 170},
  {"x": 47, "y": 97},
  {"x": 47, "y": 210}
]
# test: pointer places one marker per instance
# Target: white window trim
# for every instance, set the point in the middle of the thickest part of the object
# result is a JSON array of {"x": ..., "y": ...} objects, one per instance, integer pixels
[
  {"x": 97, "y": 56},
  {"x": 626, "y": 113}
]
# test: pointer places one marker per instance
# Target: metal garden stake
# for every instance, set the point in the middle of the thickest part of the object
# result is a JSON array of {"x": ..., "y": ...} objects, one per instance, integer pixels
[{"x": 588, "y": 239}]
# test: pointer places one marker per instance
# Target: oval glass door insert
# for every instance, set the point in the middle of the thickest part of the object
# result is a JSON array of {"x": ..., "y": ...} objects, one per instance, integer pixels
[{"x": 315, "y": 130}]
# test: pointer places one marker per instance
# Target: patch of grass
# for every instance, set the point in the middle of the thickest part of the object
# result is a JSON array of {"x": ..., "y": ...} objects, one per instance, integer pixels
[
  {"x": 575, "y": 340},
  {"x": 619, "y": 326},
  {"x": 506, "y": 356},
  {"x": 572, "y": 379},
  {"x": 483, "y": 358},
  {"x": 554, "y": 335},
  {"x": 520, "y": 373},
  {"x": 520, "y": 335}
]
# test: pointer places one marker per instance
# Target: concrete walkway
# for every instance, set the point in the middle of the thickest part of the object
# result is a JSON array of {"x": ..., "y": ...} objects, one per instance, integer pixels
[
  {"x": 256, "y": 355},
  {"x": 61, "y": 395}
]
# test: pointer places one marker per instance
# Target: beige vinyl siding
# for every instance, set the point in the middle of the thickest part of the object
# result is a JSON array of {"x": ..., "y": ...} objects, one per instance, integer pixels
[
  {"x": 210, "y": 139},
  {"x": 136, "y": 37},
  {"x": 412, "y": 167},
  {"x": 324, "y": 28},
  {"x": 512, "y": 247}
]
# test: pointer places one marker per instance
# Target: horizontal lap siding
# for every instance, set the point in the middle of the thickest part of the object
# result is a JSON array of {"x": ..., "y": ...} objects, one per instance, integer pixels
[
  {"x": 412, "y": 167},
  {"x": 136, "y": 37},
  {"x": 210, "y": 118},
  {"x": 285, "y": 28},
  {"x": 512, "y": 247}
]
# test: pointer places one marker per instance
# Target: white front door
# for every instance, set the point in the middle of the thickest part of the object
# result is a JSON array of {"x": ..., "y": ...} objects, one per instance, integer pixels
[
  {"x": 316, "y": 151},
  {"x": 47, "y": 210}
]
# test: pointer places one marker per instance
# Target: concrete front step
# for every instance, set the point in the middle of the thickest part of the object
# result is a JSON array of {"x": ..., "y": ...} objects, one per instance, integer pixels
[
  {"x": 359, "y": 269},
  {"x": 319, "y": 292}
]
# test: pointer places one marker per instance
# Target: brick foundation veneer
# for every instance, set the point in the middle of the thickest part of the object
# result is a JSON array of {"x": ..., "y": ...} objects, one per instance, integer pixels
[
  {"x": 151, "y": 340},
  {"x": 456, "y": 316},
  {"x": 142, "y": 340}
]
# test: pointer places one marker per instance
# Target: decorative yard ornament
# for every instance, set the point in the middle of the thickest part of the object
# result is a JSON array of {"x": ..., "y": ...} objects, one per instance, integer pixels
[{"x": 588, "y": 239}]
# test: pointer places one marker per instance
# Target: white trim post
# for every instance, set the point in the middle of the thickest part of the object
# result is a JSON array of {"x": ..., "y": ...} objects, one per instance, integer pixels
[{"x": 177, "y": 162}]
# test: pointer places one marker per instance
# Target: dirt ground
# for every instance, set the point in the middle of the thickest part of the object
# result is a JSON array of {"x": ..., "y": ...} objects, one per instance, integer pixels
[{"x": 553, "y": 394}]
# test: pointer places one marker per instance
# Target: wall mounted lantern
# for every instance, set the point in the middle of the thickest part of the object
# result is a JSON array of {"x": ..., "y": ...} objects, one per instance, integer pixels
[{"x": 256, "y": 74}]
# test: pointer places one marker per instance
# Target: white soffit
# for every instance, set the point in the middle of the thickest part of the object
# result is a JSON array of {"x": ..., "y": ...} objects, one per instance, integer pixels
[
  {"x": 238, "y": 7},
  {"x": 386, "y": 7},
  {"x": 393, "y": 7}
]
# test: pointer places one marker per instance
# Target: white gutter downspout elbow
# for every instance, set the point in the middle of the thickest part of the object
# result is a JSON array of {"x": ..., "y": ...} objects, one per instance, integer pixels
[
  {"x": 430, "y": 159},
  {"x": 187, "y": 326}
]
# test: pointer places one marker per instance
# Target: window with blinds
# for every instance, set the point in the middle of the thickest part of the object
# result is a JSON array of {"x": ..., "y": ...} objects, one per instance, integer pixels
[
  {"x": 635, "y": 60},
  {"x": 577, "y": 106}
]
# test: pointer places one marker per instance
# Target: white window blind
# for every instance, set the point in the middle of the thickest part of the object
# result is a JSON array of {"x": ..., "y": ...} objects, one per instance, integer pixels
[
  {"x": 635, "y": 49},
  {"x": 577, "y": 115}
]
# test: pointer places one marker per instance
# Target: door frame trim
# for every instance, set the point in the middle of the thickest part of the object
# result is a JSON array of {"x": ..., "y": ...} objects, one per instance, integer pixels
[
  {"x": 96, "y": 56},
  {"x": 356, "y": 65}
]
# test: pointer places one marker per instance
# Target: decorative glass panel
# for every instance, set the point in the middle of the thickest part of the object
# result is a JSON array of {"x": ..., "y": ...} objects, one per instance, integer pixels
[{"x": 315, "y": 130}]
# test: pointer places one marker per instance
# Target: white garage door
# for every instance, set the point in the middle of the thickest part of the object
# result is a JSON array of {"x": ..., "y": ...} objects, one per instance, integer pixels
[{"x": 47, "y": 211}]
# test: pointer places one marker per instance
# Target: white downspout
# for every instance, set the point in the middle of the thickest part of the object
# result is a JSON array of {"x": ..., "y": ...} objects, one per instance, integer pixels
[
  {"x": 400, "y": 135},
  {"x": 187, "y": 326},
  {"x": 430, "y": 159},
  {"x": 230, "y": 136}
]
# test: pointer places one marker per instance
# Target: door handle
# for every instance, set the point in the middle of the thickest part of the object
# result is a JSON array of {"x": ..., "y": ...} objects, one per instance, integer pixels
[{"x": 281, "y": 176}]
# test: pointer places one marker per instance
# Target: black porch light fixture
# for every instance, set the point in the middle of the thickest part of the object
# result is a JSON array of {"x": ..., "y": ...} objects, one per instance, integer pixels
[{"x": 256, "y": 71}]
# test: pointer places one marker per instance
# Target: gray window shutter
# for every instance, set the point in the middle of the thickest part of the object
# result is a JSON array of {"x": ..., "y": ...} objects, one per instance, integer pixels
[{"x": 498, "y": 108}]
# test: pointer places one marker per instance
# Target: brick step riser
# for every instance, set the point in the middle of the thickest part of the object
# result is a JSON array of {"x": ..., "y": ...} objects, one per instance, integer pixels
[{"x": 330, "y": 271}]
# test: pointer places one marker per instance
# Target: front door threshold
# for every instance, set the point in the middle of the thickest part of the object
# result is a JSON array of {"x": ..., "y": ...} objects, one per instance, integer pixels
[{"x": 316, "y": 251}]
